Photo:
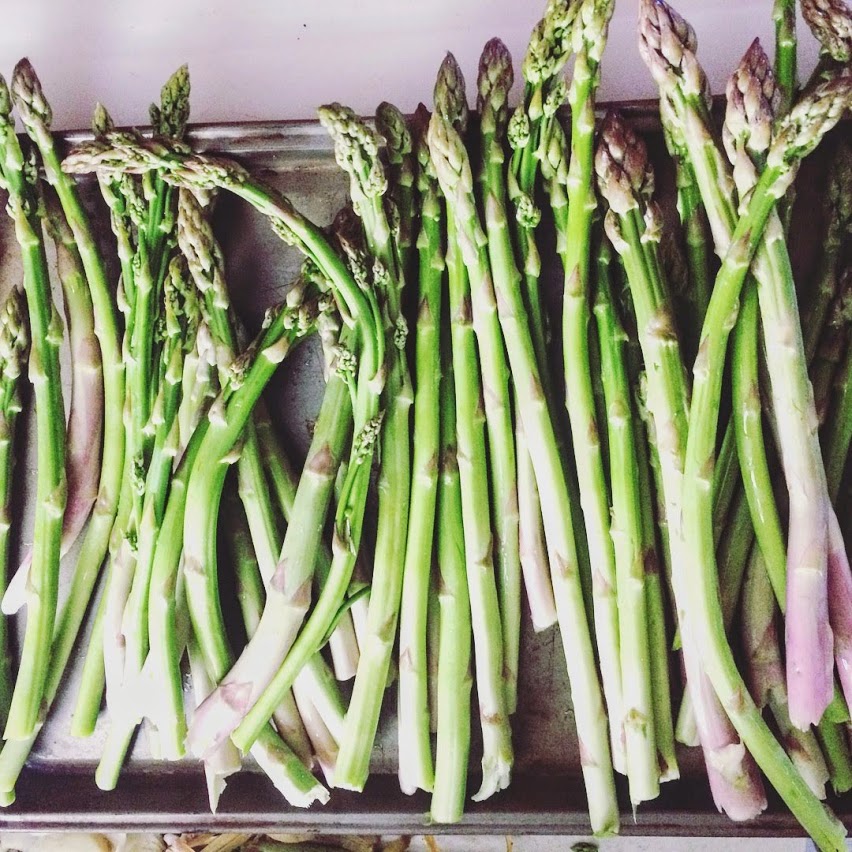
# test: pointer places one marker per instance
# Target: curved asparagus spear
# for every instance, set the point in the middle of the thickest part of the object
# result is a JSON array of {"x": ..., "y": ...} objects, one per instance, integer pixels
[
  {"x": 356, "y": 151},
  {"x": 119, "y": 152},
  {"x": 46, "y": 335},
  {"x": 453, "y": 170},
  {"x": 14, "y": 346},
  {"x": 831, "y": 23},
  {"x": 626, "y": 182},
  {"x": 416, "y": 768}
]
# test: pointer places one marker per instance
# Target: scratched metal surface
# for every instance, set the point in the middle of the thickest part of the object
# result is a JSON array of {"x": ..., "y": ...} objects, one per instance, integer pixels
[{"x": 57, "y": 789}]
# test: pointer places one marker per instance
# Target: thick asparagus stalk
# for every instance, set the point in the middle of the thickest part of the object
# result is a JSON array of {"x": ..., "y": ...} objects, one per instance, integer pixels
[
  {"x": 356, "y": 151},
  {"x": 797, "y": 136},
  {"x": 14, "y": 346},
  {"x": 643, "y": 771},
  {"x": 626, "y": 182},
  {"x": 416, "y": 766},
  {"x": 46, "y": 335},
  {"x": 453, "y": 170},
  {"x": 454, "y": 663}
]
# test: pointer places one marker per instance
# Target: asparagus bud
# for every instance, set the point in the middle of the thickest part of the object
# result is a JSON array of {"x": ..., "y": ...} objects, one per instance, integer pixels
[
  {"x": 667, "y": 43},
  {"x": 450, "y": 95},
  {"x": 14, "y": 337},
  {"x": 102, "y": 122},
  {"x": 29, "y": 96},
  {"x": 621, "y": 162},
  {"x": 171, "y": 117},
  {"x": 550, "y": 43},
  {"x": 493, "y": 84},
  {"x": 831, "y": 23},
  {"x": 390, "y": 123}
]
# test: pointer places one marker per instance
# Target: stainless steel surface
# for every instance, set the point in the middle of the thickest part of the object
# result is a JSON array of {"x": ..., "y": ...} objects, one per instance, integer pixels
[{"x": 57, "y": 789}]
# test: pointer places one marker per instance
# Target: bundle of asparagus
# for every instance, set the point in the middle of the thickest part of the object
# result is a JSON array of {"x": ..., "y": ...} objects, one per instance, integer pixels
[{"x": 582, "y": 461}]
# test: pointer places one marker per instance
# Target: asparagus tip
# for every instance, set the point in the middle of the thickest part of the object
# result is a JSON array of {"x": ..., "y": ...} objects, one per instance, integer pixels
[
  {"x": 390, "y": 122},
  {"x": 29, "y": 95},
  {"x": 667, "y": 44},
  {"x": 495, "y": 76},
  {"x": 753, "y": 99},
  {"x": 172, "y": 116},
  {"x": 831, "y": 23},
  {"x": 450, "y": 95},
  {"x": 102, "y": 122},
  {"x": 622, "y": 165}
]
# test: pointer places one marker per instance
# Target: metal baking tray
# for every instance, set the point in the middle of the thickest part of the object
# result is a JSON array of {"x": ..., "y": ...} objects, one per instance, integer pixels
[{"x": 57, "y": 790}]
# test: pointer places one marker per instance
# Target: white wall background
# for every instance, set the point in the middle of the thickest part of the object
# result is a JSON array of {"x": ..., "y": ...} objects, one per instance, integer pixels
[{"x": 270, "y": 59}]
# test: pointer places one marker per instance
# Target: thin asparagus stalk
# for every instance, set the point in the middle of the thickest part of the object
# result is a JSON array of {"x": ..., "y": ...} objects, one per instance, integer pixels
[
  {"x": 753, "y": 100},
  {"x": 14, "y": 346},
  {"x": 454, "y": 663},
  {"x": 416, "y": 767},
  {"x": 838, "y": 432},
  {"x": 453, "y": 170},
  {"x": 626, "y": 182},
  {"x": 590, "y": 32},
  {"x": 495, "y": 77},
  {"x": 831, "y": 349},
  {"x": 786, "y": 64},
  {"x": 356, "y": 151},
  {"x": 798, "y": 134},
  {"x": 46, "y": 335},
  {"x": 765, "y": 673},
  {"x": 498, "y": 755},
  {"x": 664, "y": 735},
  {"x": 643, "y": 770}
]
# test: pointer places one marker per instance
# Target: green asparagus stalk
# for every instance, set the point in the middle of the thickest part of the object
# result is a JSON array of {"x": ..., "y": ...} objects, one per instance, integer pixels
[
  {"x": 626, "y": 182},
  {"x": 643, "y": 770},
  {"x": 356, "y": 151},
  {"x": 753, "y": 101},
  {"x": 14, "y": 345},
  {"x": 453, "y": 170},
  {"x": 454, "y": 663},
  {"x": 590, "y": 32},
  {"x": 495, "y": 78},
  {"x": 416, "y": 766},
  {"x": 498, "y": 756},
  {"x": 19, "y": 178},
  {"x": 797, "y": 136},
  {"x": 786, "y": 65},
  {"x": 129, "y": 152}
]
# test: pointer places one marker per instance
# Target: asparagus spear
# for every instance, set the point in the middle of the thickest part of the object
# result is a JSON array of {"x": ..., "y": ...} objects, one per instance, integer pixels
[
  {"x": 753, "y": 100},
  {"x": 494, "y": 81},
  {"x": 498, "y": 755},
  {"x": 626, "y": 529},
  {"x": 454, "y": 665},
  {"x": 590, "y": 32},
  {"x": 416, "y": 767},
  {"x": 128, "y": 152},
  {"x": 798, "y": 135},
  {"x": 626, "y": 182},
  {"x": 18, "y": 172},
  {"x": 831, "y": 23},
  {"x": 356, "y": 151},
  {"x": 453, "y": 170},
  {"x": 14, "y": 345},
  {"x": 786, "y": 70}
]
